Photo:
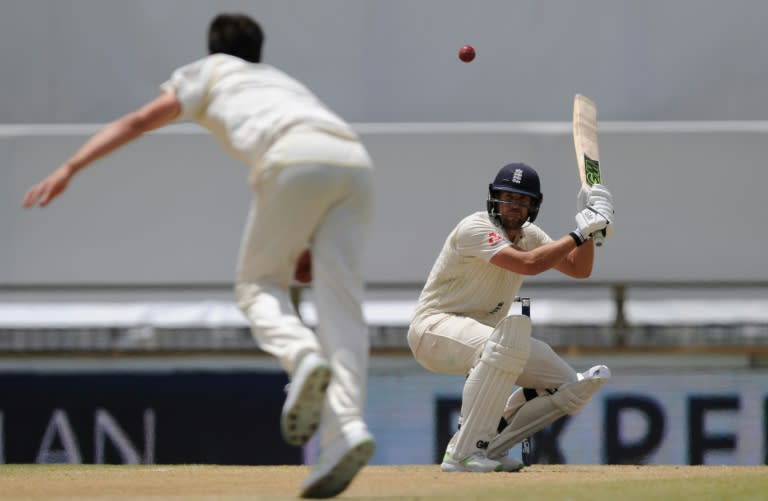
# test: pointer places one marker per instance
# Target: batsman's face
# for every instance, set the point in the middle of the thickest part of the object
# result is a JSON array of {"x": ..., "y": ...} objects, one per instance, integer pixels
[{"x": 513, "y": 209}]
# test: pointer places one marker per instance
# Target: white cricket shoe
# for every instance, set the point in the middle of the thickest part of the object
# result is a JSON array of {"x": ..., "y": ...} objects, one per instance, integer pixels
[
  {"x": 596, "y": 372},
  {"x": 338, "y": 464},
  {"x": 476, "y": 463},
  {"x": 509, "y": 464},
  {"x": 304, "y": 403}
]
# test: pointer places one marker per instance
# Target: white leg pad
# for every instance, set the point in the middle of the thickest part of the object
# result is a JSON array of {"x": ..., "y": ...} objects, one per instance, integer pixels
[
  {"x": 544, "y": 409},
  {"x": 489, "y": 384}
]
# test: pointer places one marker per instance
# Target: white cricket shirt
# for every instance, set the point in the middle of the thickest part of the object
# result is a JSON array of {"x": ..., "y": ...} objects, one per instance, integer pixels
[
  {"x": 464, "y": 282},
  {"x": 248, "y": 107}
]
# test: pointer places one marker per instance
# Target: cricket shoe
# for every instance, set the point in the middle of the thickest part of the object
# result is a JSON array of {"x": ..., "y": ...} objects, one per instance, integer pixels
[
  {"x": 509, "y": 464},
  {"x": 476, "y": 463},
  {"x": 304, "y": 402},
  {"x": 338, "y": 464}
]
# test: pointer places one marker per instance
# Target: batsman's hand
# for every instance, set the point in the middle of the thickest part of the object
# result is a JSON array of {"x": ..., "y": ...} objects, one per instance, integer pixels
[
  {"x": 589, "y": 196},
  {"x": 601, "y": 200},
  {"x": 589, "y": 221},
  {"x": 49, "y": 188},
  {"x": 599, "y": 192},
  {"x": 582, "y": 198},
  {"x": 303, "y": 271}
]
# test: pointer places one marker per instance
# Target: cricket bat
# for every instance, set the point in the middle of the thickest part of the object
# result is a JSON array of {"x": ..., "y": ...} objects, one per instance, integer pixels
[{"x": 587, "y": 150}]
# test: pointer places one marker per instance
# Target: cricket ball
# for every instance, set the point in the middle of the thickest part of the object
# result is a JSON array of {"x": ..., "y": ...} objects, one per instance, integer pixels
[{"x": 467, "y": 53}]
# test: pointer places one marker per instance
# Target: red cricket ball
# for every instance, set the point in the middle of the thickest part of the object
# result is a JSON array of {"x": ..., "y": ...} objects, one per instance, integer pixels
[{"x": 467, "y": 53}]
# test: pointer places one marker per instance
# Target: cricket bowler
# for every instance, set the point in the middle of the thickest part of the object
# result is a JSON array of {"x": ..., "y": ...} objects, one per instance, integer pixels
[{"x": 312, "y": 183}]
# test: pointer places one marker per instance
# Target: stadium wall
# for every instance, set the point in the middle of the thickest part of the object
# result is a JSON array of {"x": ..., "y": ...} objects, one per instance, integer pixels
[{"x": 169, "y": 208}]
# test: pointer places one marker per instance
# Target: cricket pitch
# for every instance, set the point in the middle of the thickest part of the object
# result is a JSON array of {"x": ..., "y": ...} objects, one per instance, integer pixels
[{"x": 411, "y": 482}]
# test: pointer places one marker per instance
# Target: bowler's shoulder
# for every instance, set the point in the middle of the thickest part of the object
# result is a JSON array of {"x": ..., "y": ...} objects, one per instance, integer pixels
[{"x": 212, "y": 60}]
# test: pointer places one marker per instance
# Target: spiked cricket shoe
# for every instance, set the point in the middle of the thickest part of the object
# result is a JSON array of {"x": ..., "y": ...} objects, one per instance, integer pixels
[
  {"x": 476, "y": 463},
  {"x": 509, "y": 464},
  {"x": 304, "y": 402},
  {"x": 338, "y": 464}
]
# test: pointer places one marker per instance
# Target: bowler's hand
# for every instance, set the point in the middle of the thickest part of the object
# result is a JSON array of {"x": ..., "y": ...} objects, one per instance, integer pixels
[{"x": 49, "y": 188}]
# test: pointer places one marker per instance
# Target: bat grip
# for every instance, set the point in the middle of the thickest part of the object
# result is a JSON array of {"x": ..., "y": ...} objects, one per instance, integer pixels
[{"x": 599, "y": 238}]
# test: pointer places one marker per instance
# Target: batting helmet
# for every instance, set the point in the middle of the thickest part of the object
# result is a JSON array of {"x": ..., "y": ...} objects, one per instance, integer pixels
[{"x": 515, "y": 178}]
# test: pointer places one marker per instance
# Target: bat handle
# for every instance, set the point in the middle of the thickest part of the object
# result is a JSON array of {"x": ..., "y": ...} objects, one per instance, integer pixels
[{"x": 599, "y": 238}]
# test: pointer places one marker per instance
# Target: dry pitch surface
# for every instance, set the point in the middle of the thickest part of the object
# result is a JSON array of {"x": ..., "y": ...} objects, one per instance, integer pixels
[{"x": 411, "y": 482}]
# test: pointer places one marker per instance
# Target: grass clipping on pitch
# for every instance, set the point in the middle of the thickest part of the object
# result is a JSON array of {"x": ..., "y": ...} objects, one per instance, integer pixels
[{"x": 412, "y": 482}]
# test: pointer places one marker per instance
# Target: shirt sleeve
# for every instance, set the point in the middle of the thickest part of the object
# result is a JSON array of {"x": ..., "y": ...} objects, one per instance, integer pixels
[
  {"x": 191, "y": 84},
  {"x": 476, "y": 237},
  {"x": 533, "y": 237}
]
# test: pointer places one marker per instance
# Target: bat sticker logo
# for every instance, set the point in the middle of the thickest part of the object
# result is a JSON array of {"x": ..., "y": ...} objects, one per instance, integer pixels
[{"x": 592, "y": 170}]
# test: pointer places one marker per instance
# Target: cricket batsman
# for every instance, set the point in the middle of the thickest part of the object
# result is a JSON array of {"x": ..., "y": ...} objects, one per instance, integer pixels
[{"x": 461, "y": 324}]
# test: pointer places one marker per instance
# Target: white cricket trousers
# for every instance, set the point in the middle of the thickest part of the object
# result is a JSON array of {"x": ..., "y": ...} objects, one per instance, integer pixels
[
  {"x": 453, "y": 344},
  {"x": 329, "y": 209}
]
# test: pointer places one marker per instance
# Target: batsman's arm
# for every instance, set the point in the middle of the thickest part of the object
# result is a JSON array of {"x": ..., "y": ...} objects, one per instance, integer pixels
[
  {"x": 562, "y": 254},
  {"x": 112, "y": 136},
  {"x": 578, "y": 263}
]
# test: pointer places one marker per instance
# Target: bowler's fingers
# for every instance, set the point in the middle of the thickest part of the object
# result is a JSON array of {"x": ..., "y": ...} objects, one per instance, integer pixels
[
  {"x": 41, "y": 195},
  {"x": 32, "y": 196},
  {"x": 50, "y": 192}
]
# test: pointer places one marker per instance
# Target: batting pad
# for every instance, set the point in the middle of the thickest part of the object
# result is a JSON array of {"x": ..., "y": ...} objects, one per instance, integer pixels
[
  {"x": 537, "y": 413},
  {"x": 490, "y": 383}
]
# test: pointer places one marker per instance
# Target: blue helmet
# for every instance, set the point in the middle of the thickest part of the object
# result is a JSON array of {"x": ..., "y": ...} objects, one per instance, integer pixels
[{"x": 515, "y": 178}]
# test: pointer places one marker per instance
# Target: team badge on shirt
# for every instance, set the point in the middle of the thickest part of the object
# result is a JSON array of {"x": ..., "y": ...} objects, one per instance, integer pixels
[{"x": 494, "y": 238}]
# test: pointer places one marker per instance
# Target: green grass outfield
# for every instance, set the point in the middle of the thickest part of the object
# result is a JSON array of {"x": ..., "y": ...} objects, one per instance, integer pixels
[{"x": 411, "y": 482}]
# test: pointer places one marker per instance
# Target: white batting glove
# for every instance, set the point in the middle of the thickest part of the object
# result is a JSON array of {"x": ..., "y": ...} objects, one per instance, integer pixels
[
  {"x": 582, "y": 199},
  {"x": 601, "y": 200},
  {"x": 588, "y": 222},
  {"x": 603, "y": 207},
  {"x": 600, "y": 192},
  {"x": 606, "y": 210}
]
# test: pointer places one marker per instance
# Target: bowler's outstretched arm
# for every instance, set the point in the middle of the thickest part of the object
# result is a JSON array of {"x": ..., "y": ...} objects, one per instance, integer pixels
[{"x": 112, "y": 136}]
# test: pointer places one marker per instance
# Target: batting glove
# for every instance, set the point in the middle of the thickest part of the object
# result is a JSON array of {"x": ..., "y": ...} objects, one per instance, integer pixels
[
  {"x": 588, "y": 222},
  {"x": 582, "y": 199},
  {"x": 603, "y": 207},
  {"x": 600, "y": 192},
  {"x": 601, "y": 200}
]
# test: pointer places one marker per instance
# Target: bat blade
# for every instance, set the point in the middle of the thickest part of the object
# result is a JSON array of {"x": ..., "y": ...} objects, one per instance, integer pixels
[{"x": 586, "y": 145}]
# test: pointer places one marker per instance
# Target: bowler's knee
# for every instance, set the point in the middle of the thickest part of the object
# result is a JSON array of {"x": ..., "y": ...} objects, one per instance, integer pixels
[
  {"x": 245, "y": 295},
  {"x": 260, "y": 300}
]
